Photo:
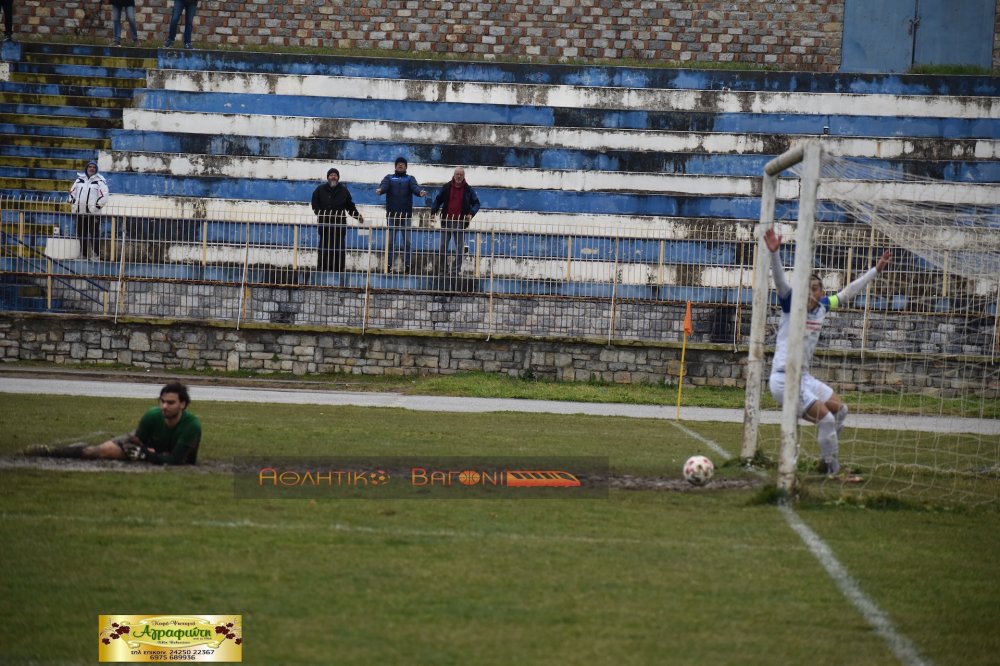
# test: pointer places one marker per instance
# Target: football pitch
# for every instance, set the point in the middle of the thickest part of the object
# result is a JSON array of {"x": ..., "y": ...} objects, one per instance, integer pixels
[{"x": 646, "y": 576}]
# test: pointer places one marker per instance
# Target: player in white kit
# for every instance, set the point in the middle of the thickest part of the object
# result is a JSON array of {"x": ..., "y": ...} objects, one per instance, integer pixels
[{"x": 818, "y": 403}]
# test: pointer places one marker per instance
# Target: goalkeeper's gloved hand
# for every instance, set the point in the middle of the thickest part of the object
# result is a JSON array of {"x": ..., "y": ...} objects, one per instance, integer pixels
[{"x": 136, "y": 452}]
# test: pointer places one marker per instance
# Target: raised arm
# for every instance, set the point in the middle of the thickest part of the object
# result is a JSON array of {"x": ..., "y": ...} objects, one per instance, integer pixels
[
  {"x": 854, "y": 288},
  {"x": 773, "y": 242}
]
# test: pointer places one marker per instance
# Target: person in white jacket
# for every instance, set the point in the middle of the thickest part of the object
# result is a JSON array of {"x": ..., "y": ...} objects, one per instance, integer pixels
[
  {"x": 88, "y": 196},
  {"x": 818, "y": 403}
]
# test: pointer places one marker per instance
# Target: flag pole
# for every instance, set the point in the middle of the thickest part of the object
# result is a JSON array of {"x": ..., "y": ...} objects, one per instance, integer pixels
[{"x": 688, "y": 330}]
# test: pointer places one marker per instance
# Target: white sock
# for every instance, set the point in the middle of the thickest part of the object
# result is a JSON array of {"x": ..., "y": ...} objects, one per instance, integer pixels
[
  {"x": 829, "y": 445},
  {"x": 841, "y": 419}
]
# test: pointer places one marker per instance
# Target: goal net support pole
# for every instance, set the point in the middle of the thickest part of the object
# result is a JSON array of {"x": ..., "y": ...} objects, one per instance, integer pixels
[{"x": 810, "y": 154}]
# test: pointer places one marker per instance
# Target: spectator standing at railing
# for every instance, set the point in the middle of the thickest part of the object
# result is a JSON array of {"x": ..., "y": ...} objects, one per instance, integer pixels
[
  {"x": 118, "y": 8},
  {"x": 88, "y": 196},
  {"x": 189, "y": 7},
  {"x": 331, "y": 202},
  {"x": 458, "y": 204},
  {"x": 399, "y": 189}
]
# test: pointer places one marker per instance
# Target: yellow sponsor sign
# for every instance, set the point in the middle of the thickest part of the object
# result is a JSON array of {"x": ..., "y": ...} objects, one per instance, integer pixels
[{"x": 167, "y": 638}]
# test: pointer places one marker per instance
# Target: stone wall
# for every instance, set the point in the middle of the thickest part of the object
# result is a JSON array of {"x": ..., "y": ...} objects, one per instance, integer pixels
[
  {"x": 70, "y": 339},
  {"x": 804, "y": 36},
  {"x": 74, "y": 340}
]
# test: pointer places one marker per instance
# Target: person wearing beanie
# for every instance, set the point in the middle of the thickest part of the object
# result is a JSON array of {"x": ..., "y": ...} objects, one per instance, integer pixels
[
  {"x": 400, "y": 188},
  {"x": 331, "y": 202},
  {"x": 87, "y": 197},
  {"x": 458, "y": 204}
]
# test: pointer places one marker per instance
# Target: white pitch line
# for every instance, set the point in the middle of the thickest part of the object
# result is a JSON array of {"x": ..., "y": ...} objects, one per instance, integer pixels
[
  {"x": 901, "y": 646},
  {"x": 704, "y": 440}
]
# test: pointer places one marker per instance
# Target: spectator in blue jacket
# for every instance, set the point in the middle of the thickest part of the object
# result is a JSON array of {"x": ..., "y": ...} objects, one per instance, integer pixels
[
  {"x": 458, "y": 204},
  {"x": 400, "y": 188}
]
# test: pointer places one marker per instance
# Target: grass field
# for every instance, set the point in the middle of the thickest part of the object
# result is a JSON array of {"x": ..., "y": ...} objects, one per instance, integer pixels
[{"x": 644, "y": 577}]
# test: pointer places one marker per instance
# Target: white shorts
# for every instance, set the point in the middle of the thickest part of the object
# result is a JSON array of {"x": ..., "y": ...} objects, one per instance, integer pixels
[{"x": 810, "y": 390}]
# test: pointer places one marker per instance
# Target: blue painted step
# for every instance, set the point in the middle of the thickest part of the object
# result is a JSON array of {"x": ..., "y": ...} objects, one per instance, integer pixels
[
  {"x": 49, "y": 110},
  {"x": 450, "y": 112},
  {"x": 715, "y": 164},
  {"x": 625, "y": 77},
  {"x": 81, "y": 70},
  {"x": 64, "y": 89},
  {"x": 82, "y": 154},
  {"x": 55, "y": 130}
]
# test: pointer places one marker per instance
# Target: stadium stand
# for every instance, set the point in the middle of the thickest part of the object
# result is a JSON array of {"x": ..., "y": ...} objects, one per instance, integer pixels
[{"x": 556, "y": 153}]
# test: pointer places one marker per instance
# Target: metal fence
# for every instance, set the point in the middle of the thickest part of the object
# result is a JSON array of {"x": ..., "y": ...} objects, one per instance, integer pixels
[{"x": 561, "y": 277}]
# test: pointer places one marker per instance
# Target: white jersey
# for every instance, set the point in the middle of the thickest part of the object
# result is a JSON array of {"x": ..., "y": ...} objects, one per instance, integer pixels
[
  {"x": 814, "y": 318},
  {"x": 814, "y": 324}
]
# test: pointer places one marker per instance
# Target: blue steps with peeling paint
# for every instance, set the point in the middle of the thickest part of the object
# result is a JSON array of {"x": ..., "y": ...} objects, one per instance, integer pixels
[
  {"x": 55, "y": 130},
  {"x": 50, "y": 110},
  {"x": 83, "y": 154},
  {"x": 713, "y": 164},
  {"x": 502, "y": 114},
  {"x": 64, "y": 89},
  {"x": 622, "y": 77}
]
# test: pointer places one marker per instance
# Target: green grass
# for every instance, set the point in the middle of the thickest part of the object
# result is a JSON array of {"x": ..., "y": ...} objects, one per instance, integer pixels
[
  {"x": 642, "y": 577},
  {"x": 953, "y": 70}
]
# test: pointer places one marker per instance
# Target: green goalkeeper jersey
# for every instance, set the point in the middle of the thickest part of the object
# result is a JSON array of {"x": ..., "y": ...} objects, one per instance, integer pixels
[{"x": 170, "y": 446}]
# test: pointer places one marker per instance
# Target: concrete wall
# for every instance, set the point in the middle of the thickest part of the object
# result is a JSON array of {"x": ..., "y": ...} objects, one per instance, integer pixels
[
  {"x": 804, "y": 36},
  {"x": 81, "y": 340}
]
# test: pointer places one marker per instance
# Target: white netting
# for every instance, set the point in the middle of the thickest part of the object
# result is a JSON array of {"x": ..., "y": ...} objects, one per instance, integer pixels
[
  {"x": 954, "y": 226},
  {"x": 915, "y": 355}
]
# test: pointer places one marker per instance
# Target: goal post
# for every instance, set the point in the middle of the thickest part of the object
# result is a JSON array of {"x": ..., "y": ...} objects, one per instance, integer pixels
[
  {"x": 915, "y": 354},
  {"x": 810, "y": 154}
]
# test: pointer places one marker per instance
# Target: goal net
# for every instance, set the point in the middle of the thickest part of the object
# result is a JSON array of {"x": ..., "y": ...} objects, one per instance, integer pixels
[{"x": 915, "y": 355}]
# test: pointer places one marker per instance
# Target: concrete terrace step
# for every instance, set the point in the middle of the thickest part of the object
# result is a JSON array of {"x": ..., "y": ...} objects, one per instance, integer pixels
[
  {"x": 57, "y": 110},
  {"x": 749, "y": 163},
  {"x": 261, "y": 209},
  {"x": 510, "y": 199},
  {"x": 294, "y": 128},
  {"x": 432, "y": 176},
  {"x": 675, "y": 121},
  {"x": 43, "y": 141},
  {"x": 65, "y": 174},
  {"x": 95, "y": 60},
  {"x": 33, "y": 188},
  {"x": 60, "y": 100},
  {"x": 64, "y": 89},
  {"x": 579, "y": 97},
  {"x": 29, "y": 122},
  {"x": 45, "y": 130},
  {"x": 88, "y": 81},
  {"x": 40, "y": 152},
  {"x": 585, "y": 75},
  {"x": 34, "y": 163},
  {"x": 90, "y": 50},
  {"x": 83, "y": 71}
]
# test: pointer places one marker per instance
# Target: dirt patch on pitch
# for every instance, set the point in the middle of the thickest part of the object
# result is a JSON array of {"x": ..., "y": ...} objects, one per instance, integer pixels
[{"x": 617, "y": 481}]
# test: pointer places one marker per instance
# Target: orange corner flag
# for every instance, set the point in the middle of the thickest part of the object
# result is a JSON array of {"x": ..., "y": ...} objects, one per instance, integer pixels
[{"x": 688, "y": 327}]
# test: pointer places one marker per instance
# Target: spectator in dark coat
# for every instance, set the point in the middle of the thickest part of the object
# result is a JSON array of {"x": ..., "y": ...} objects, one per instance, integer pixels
[
  {"x": 331, "y": 202},
  {"x": 400, "y": 188}
]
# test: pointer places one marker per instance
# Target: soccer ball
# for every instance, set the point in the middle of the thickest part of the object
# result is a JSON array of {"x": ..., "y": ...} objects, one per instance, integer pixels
[{"x": 698, "y": 470}]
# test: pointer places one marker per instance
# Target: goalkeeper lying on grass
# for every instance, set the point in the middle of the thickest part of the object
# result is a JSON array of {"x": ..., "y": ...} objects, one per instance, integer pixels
[
  {"x": 167, "y": 435},
  {"x": 818, "y": 403}
]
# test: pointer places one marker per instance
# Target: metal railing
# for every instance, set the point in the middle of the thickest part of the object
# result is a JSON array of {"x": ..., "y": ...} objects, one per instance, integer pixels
[{"x": 568, "y": 277}]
